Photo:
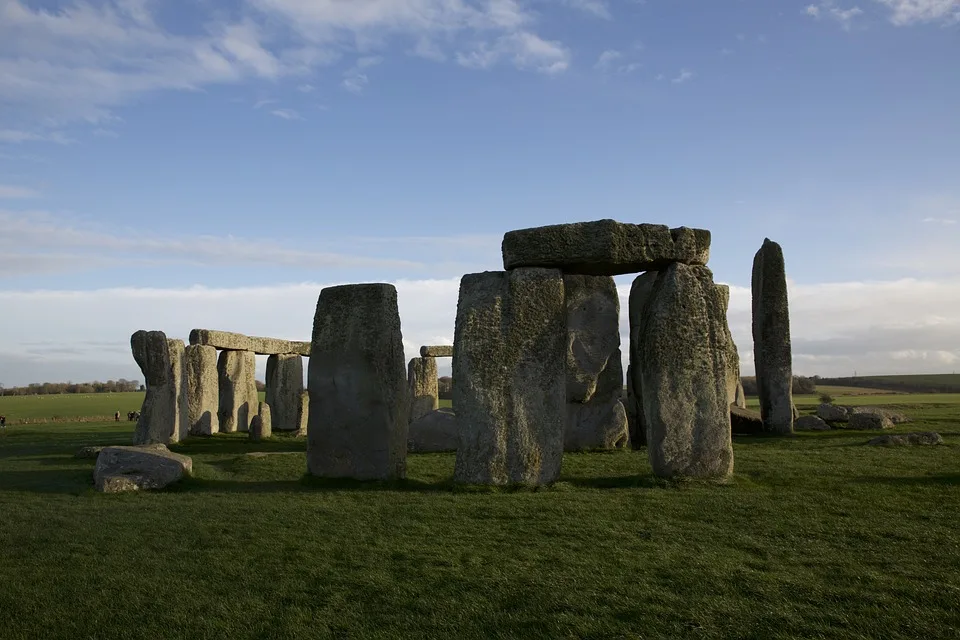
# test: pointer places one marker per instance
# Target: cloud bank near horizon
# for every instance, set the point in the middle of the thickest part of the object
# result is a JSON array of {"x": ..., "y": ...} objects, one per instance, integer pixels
[{"x": 872, "y": 328}]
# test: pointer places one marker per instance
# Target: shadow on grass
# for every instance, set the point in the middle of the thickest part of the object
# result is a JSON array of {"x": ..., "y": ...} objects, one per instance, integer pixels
[
  {"x": 936, "y": 479},
  {"x": 62, "y": 481}
]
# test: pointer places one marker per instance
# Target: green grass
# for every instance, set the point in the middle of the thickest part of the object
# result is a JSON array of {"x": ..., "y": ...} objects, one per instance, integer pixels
[
  {"x": 817, "y": 536},
  {"x": 69, "y": 405}
]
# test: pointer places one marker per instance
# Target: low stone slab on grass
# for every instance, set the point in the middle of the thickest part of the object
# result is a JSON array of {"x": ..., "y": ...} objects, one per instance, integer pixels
[
  {"x": 745, "y": 422},
  {"x": 136, "y": 468},
  {"x": 810, "y": 423},
  {"x": 907, "y": 439},
  {"x": 869, "y": 421},
  {"x": 434, "y": 432}
]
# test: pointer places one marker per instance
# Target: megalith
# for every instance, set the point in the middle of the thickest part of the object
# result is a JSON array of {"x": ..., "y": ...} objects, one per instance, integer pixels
[
  {"x": 303, "y": 412},
  {"x": 639, "y": 295},
  {"x": 509, "y": 377},
  {"x": 261, "y": 425},
  {"x": 203, "y": 390},
  {"x": 596, "y": 418},
  {"x": 163, "y": 416},
  {"x": 682, "y": 359},
  {"x": 771, "y": 339},
  {"x": 284, "y": 388},
  {"x": 422, "y": 379},
  {"x": 436, "y": 351},
  {"x": 734, "y": 386},
  {"x": 238, "y": 390},
  {"x": 359, "y": 401}
]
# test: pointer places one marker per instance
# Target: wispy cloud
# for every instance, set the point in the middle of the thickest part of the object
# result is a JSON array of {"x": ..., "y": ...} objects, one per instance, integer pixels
[
  {"x": 16, "y": 136},
  {"x": 909, "y": 12},
  {"x": 306, "y": 88},
  {"x": 597, "y": 8},
  {"x": 8, "y": 191},
  {"x": 947, "y": 221},
  {"x": 607, "y": 58},
  {"x": 286, "y": 114},
  {"x": 685, "y": 75},
  {"x": 526, "y": 50},
  {"x": 830, "y": 9}
]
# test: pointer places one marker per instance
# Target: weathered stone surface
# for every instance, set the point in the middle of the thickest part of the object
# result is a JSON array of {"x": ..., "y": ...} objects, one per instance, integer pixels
[
  {"x": 359, "y": 401},
  {"x": 639, "y": 295},
  {"x": 895, "y": 416},
  {"x": 604, "y": 247},
  {"x": 740, "y": 396},
  {"x": 422, "y": 380},
  {"x": 239, "y": 342},
  {"x": 140, "y": 467},
  {"x": 745, "y": 422},
  {"x": 238, "y": 390},
  {"x": 630, "y": 409},
  {"x": 734, "y": 385},
  {"x": 434, "y": 432},
  {"x": 683, "y": 366},
  {"x": 202, "y": 389},
  {"x": 595, "y": 415},
  {"x": 509, "y": 377},
  {"x": 868, "y": 421},
  {"x": 810, "y": 423},
  {"x": 261, "y": 425},
  {"x": 832, "y": 413},
  {"x": 772, "y": 354},
  {"x": 304, "y": 413},
  {"x": 163, "y": 416},
  {"x": 908, "y": 439},
  {"x": 284, "y": 388},
  {"x": 437, "y": 351}
]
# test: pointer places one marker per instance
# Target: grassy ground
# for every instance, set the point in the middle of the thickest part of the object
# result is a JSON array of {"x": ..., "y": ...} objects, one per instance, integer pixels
[
  {"x": 69, "y": 405},
  {"x": 818, "y": 536}
]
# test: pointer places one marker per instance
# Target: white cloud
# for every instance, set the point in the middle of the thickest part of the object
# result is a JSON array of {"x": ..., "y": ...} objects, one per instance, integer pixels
[
  {"x": 527, "y": 51},
  {"x": 830, "y": 9},
  {"x": 813, "y": 10},
  {"x": 16, "y": 136},
  {"x": 940, "y": 220},
  {"x": 684, "y": 76},
  {"x": 286, "y": 114},
  {"x": 908, "y": 12},
  {"x": 105, "y": 133},
  {"x": 305, "y": 88},
  {"x": 597, "y": 8},
  {"x": 607, "y": 58},
  {"x": 8, "y": 191}
]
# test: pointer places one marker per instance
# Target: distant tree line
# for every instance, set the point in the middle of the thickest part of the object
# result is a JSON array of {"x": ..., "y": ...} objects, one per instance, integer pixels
[
  {"x": 801, "y": 385},
  {"x": 52, "y": 388}
]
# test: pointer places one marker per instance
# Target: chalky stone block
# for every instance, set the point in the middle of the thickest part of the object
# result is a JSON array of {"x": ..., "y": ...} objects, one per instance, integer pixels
[
  {"x": 238, "y": 390},
  {"x": 284, "y": 388},
  {"x": 163, "y": 416},
  {"x": 422, "y": 379},
  {"x": 772, "y": 353},
  {"x": 203, "y": 390}
]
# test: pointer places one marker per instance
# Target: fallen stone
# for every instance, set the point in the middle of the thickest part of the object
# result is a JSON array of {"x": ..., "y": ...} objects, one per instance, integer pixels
[
  {"x": 832, "y": 413},
  {"x": 284, "y": 387},
  {"x": 745, "y": 422},
  {"x": 422, "y": 381},
  {"x": 640, "y": 292},
  {"x": 810, "y": 423},
  {"x": 772, "y": 354},
  {"x": 683, "y": 366},
  {"x": 139, "y": 467},
  {"x": 88, "y": 453},
  {"x": 908, "y": 439},
  {"x": 509, "y": 377},
  {"x": 203, "y": 390},
  {"x": 434, "y": 432},
  {"x": 226, "y": 340},
  {"x": 596, "y": 418},
  {"x": 261, "y": 426},
  {"x": 869, "y": 421},
  {"x": 437, "y": 351},
  {"x": 359, "y": 401},
  {"x": 163, "y": 416},
  {"x": 894, "y": 416},
  {"x": 238, "y": 390},
  {"x": 604, "y": 247}
]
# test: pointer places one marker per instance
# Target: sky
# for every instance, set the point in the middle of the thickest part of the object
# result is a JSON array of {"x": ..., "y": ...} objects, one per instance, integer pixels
[{"x": 176, "y": 165}]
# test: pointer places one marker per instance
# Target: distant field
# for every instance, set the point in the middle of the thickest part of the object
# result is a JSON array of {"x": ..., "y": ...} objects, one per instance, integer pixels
[
  {"x": 835, "y": 391},
  {"x": 69, "y": 405},
  {"x": 921, "y": 383}
]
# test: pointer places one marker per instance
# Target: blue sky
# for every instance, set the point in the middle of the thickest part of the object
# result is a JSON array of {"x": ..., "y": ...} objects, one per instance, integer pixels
[{"x": 169, "y": 165}]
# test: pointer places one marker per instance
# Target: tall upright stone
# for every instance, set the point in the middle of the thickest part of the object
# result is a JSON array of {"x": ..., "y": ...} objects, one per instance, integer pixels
[
  {"x": 203, "y": 390},
  {"x": 238, "y": 390},
  {"x": 284, "y": 388},
  {"x": 422, "y": 379},
  {"x": 771, "y": 339},
  {"x": 509, "y": 377},
  {"x": 596, "y": 418},
  {"x": 734, "y": 386},
  {"x": 163, "y": 416},
  {"x": 303, "y": 413},
  {"x": 639, "y": 295},
  {"x": 683, "y": 367},
  {"x": 359, "y": 402}
]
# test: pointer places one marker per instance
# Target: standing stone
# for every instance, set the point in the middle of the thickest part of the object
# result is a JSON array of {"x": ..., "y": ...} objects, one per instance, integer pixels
[
  {"x": 734, "y": 386},
  {"x": 509, "y": 377},
  {"x": 771, "y": 339},
  {"x": 303, "y": 413},
  {"x": 595, "y": 415},
  {"x": 163, "y": 417},
  {"x": 424, "y": 395},
  {"x": 284, "y": 388},
  {"x": 683, "y": 367},
  {"x": 238, "y": 390},
  {"x": 359, "y": 401},
  {"x": 261, "y": 424},
  {"x": 639, "y": 295},
  {"x": 203, "y": 390}
]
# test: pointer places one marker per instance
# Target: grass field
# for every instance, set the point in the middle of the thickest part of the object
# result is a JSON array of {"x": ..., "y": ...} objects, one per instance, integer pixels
[{"x": 817, "y": 536}]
